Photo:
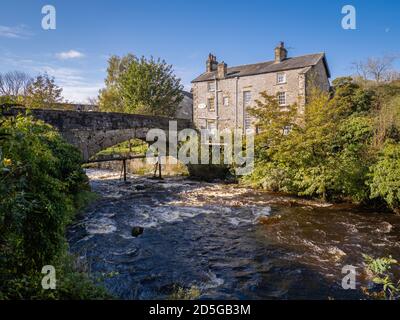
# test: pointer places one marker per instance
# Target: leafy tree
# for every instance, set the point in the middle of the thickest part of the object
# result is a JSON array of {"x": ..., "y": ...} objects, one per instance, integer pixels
[
  {"x": 140, "y": 85},
  {"x": 327, "y": 152},
  {"x": 149, "y": 87},
  {"x": 43, "y": 93},
  {"x": 385, "y": 175},
  {"x": 350, "y": 97},
  {"x": 42, "y": 185},
  {"x": 387, "y": 118},
  {"x": 110, "y": 98}
]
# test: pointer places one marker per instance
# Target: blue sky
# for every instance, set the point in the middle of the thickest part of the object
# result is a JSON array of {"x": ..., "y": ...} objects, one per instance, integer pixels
[{"x": 184, "y": 32}]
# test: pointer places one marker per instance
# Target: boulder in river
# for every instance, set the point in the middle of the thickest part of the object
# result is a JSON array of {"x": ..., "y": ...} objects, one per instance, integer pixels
[
  {"x": 137, "y": 231},
  {"x": 267, "y": 220}
]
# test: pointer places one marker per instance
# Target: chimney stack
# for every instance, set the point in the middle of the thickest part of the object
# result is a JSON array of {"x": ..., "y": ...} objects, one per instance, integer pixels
[
  {"x": 212, "y": 63},
  {"x": 222, "y": 67},
  {"x": 280, "y": 52}
]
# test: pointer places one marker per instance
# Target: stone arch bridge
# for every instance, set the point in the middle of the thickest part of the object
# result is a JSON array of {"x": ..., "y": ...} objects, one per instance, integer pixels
[{"x": 92, "y": 132}]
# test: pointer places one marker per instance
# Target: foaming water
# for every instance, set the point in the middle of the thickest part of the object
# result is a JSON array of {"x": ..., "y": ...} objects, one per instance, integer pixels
[{"x": 228, "y": 241}]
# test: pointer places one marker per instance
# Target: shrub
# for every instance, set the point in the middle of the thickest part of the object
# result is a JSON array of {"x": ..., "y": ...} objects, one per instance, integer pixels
[
  {"x": 41, "y": 187},
  {"x": 385, "y": 182}
]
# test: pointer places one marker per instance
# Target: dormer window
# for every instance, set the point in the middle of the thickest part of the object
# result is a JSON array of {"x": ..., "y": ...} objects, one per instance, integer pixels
[{"x": 281, "y": 78}]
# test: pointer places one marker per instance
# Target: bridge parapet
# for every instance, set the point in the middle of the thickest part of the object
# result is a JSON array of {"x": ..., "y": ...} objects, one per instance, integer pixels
[{"x": 92, "y": 132}]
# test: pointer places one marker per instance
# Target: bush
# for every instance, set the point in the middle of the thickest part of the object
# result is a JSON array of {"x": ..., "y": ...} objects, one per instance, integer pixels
[
  {"x": 385, "y": 181},
  {"x": 41, "y": 188},
  {"x": 327, "y": 153}
]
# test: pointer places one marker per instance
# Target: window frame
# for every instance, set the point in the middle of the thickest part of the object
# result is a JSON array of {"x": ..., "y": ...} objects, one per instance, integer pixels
[
  {"x": 211, "y": 106},
  {"x": 225, "y": 99},
  {"x": 284, "y": 78},
  {"x": 247, "y": 103},
  {"x": 211, "y": 86},
  {"x": 279, "y": 98}
]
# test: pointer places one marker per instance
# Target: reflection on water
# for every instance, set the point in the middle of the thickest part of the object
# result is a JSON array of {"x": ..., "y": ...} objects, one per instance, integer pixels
[{"x": 231, "y": 242}]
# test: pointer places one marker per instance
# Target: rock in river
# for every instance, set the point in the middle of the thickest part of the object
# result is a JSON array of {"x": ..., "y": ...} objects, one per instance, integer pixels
[
  {"x": 266, "y": 220},
  {"x": 137, "y": 231}
]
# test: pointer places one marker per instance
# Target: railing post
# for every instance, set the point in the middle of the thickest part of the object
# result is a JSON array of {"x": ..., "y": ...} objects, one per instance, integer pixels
[
  {"x": 159, "y": 167},
  {"x": 124, "y": 165}
]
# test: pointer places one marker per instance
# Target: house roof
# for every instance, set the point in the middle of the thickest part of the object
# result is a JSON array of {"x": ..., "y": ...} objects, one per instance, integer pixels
[
  {"x": 187, "y": 94},
  {"x": 269, "y": 66}
]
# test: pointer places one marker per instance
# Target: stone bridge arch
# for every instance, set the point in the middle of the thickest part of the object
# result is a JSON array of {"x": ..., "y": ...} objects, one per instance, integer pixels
[{"x": 92, "y": 132}]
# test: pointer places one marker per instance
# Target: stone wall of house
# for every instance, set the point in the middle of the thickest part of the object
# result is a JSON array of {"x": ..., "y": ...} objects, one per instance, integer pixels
[
  {"x": 233, "y": 114},
  {"x": 185, "y": 108},
  {"x": 317, "y": 77}
]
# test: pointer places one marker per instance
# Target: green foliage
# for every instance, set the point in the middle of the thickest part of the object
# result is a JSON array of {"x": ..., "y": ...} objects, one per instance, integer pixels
[
  {"x": 180, "y": 293},
  {"x": 41, "y": 186},
  {"x": 385, "y": 173},
  {"x": 134, "y": 146},
  {"x": 142, "y": 86},
  {"x": 380, "y": 271},
  {"x": 330, "y": 151},
  {"x": 43, "y": 93},
  {"x": 110, "y": 99},
  {"x": 72, "y": 284}
]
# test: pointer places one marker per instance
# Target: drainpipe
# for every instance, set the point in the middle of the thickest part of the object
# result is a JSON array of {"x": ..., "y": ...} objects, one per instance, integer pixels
[
  {"x": 236, "y": 102},
  {"x": 216, "y": 101}
]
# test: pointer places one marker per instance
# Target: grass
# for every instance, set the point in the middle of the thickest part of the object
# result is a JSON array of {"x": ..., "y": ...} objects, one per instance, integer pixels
[{"x": 135, "y": 147}]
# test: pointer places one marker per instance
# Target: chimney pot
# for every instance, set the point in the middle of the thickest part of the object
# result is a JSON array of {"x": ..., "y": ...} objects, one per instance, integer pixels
[
  {"x": 212, "y": 63},
  {"x": 222, "y": 69},
  {"x": 280, "y": 52}
]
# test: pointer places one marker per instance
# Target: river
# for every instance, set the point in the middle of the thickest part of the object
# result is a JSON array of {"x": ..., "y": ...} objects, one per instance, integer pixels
[{"x": 227, "y": 241}]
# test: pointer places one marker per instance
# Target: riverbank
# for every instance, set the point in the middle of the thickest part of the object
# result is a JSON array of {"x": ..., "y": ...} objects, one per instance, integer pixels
[{"x": 215, "y": 238}]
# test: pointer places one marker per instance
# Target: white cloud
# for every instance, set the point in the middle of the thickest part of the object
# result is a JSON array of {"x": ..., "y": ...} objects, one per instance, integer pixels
[
  {"x": 78, "y": 84},
  {"x": 16, "y": 32},
  {"x": 75, "y": 87},
  {"x": 81, "y": 93},
  {"x": 71, "y": 54}
]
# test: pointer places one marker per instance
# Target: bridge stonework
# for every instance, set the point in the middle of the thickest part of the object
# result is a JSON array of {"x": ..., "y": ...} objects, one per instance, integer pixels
[{"x": 92, "y": 132}]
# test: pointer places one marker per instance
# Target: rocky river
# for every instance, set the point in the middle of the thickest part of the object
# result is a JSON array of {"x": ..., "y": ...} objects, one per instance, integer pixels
[{"x": 227, "y": 241}]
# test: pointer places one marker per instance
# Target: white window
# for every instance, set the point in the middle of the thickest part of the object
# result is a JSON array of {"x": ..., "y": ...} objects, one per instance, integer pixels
[
  {"x": 211, "y": 86},
  {"x": 282, "y": 99},
  {"x": 246, "y": 97},
  {"x": 226, "y": 101},
  {"x": 281, "y": 78}
]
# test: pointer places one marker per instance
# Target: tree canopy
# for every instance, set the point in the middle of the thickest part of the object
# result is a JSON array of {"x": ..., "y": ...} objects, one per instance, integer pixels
[
  {"x": 345, "y": 147},
  {"x": 140, "y": 85}
]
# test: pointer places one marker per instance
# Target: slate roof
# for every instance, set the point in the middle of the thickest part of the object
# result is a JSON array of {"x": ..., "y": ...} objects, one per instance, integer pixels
[
  {"x": 187, "y": 94},
  {"x": 269, "y": 66}
]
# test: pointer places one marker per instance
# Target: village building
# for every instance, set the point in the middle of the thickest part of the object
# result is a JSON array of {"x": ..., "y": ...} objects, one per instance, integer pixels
[{"x": 222, "y": 94}]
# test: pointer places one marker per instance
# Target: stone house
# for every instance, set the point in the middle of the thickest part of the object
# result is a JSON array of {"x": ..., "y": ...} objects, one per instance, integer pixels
[
  {"x": 185, "y": 108},
  {"x": 222, "y": 94}
]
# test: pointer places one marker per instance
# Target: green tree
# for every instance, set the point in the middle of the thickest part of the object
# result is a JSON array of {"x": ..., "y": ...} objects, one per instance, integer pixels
[
  {"x": 326, "y": 153},
  {"x": 110, "y": 98},
  {"x": 140, "y": 85},
  {"x": 42, "y": 185},
  {"x": 149, "y": 87},
  {"x": 43, "y": 92},
  {"x": 385, "y": 173}
]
